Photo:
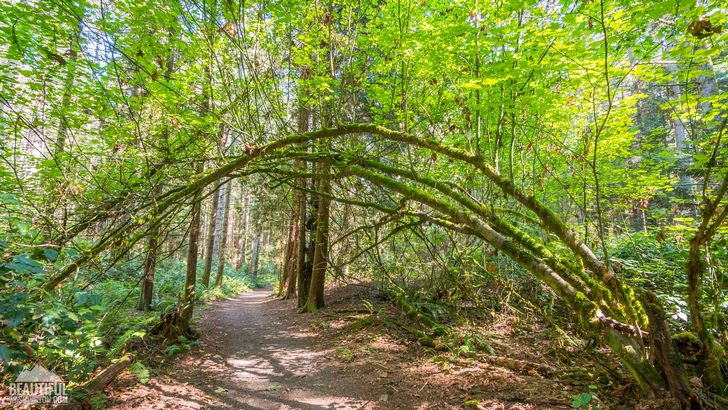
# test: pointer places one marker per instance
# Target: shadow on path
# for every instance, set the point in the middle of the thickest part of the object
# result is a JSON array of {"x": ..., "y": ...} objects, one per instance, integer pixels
[{"x": 251, "y": 356}]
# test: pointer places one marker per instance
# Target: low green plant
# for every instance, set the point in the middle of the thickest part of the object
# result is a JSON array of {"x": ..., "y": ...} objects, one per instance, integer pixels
[
  {"x": 183, "y": 345},
  {"x": 93, "y": 318},
  {"x": 140, "y": 371},
  {"x": 586, "y": 400}
]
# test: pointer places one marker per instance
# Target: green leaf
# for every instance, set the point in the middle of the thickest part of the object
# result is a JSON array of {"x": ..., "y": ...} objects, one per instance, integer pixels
[
  {"x": 50, "y": 254},
  {"x": 581, "y": 400},
  {"x": 4, "y": 354},
  {"x": 22, "y": 265}
]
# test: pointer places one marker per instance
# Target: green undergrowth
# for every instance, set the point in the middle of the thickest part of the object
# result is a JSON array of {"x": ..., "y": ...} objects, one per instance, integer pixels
[{"x": 92, "y": 318}]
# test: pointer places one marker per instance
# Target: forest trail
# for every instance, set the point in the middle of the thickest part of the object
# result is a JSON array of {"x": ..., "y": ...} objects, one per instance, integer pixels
[
  {"x": 251, "y": 355},
  {"x": 256, "y": 352}
]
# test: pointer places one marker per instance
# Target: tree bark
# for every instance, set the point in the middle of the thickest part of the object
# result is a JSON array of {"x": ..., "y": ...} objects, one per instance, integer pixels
[
  {"x": 211, "y": 231},
  {"x": 665, "y": 354},
  {"x": 147, "y": 286},
  {"x": 223, "y": 235},
  {"x": 242, "y": 248},
  {"x": 304, "y": 278},
  {"x": 255, "y": 254},
  {"x": 685, "y": 181},
  {"x": 108, "y": 374},
  {"x": 315, "y": 298},
  {"x": 298, "y": 245},
  {"x": 150, "y": 264},
  {"x": 300, "y": 266},
  {"x": 289, "y": 261},
  {"x": 185, "y": 311}
]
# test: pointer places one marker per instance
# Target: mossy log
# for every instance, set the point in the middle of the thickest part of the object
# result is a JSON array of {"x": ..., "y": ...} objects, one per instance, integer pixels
[
  {"x": 107, "y": 375},
  {"x": 80, "y": 397}
]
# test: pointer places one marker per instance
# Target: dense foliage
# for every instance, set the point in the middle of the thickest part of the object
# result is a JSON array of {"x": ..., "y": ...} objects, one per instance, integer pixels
[{"x": 436, "y": 148}]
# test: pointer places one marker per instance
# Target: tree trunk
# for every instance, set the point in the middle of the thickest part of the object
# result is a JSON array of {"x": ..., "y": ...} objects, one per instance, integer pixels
[
  {"x": 289, "y": 260},
  {"x": 60, "y": 143},
  {"x": 211, "y": 231},
  {"x": 293, "y": 268},
  {"x": 254, "y": 254},
  {"x": 223, "y": 235},
  {"x": 315, "y": 298},
  {"x": 685, "y": 181},
  {"x": 304, "y": 279},
  {"x": 183, "y": 315},
  {"x": 666, "y": 356},
  {"x": 300, "y": 266},
  {"x": 303, "y": 265},
  {"x": 297, "y": 236},
  {"x": 243, "y": 233},
  {"x": 710, "y": 356},
  {"x": 150, "y": 264}
]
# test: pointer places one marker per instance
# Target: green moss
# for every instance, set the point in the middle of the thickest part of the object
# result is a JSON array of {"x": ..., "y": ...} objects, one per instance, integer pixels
[
  {"x": 684, "y": 337},
  {"x": 473, "y": 403},
  {"x": 718, "y": 350}
]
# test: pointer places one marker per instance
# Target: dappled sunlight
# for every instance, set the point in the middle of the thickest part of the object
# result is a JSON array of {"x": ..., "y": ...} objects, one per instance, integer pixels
[
  {"x": 256, "y": 354},
  {"x": 257, "y": 363}
]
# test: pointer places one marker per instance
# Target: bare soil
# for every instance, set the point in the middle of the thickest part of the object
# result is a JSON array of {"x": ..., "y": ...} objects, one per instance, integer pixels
[{"x": 256, "y": 352}]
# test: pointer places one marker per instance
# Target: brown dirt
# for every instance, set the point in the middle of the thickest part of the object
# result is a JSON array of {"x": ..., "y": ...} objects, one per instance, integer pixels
[{"x": 257, "y": 353}]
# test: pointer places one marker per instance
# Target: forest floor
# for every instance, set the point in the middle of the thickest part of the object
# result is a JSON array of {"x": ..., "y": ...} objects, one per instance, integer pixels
[{"x": 256, "y": 352}]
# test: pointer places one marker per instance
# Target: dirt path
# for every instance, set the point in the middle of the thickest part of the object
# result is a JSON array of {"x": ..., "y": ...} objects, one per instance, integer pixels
[
  {"x": 253, "y": 356},
  {"x": 257, "y": 353}
]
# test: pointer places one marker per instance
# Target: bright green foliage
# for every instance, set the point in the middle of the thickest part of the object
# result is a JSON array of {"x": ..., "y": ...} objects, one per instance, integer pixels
[
  {"x": 524, "y": 146},
  {"x": 78, "y": 333}
]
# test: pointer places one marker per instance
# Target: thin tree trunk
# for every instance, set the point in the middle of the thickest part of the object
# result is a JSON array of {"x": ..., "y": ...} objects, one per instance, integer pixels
[
  {"x": 685, "y": 181},
  {"x": 150, "y": 265},
  {"x": 303, "y": 265},
  {"x": 297, "y": 236},
  {"x": 300, "y": 266},
  {"x": 292, "y": 266},
  {"x": 223, "y": 235},
  {"x": 150, "y": 262},
  {"x": 244, "y": 232},
  {"x": 191, "y": 277},
  {"x": 315, "y": 298},
  {"x": 304, "y": 279},
  {"x": 211, "y": 232},
  {"x": 254, "y": 254},
  {"x": 62, "y": 135},
  {"x": 289, "y": 257}
]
